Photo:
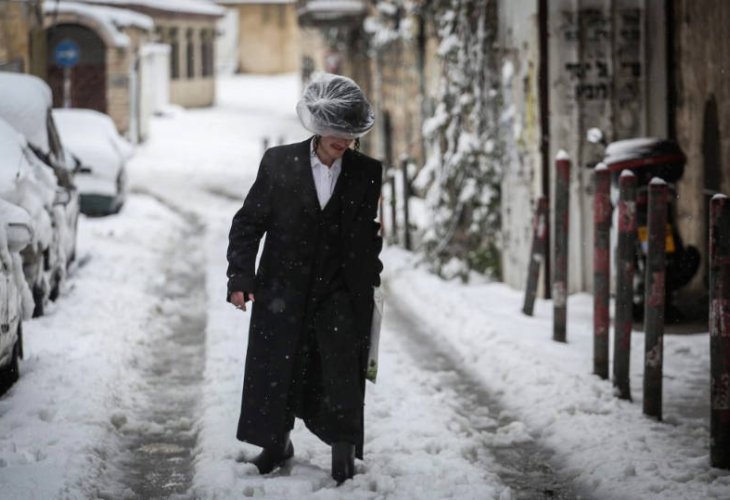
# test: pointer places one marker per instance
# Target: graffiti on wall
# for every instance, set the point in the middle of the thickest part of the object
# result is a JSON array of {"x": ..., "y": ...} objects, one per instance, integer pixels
[{"x": 608, "y": 68}]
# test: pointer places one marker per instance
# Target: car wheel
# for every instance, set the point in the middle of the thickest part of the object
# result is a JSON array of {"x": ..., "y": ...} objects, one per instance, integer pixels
[
  {"x": 55, "y": 288},
  {"x": 72, "y": 257},
  {"x": 11, "y": 373},
  {"x": 38, "y": 301},
  {"x": 21, "y": 353}
]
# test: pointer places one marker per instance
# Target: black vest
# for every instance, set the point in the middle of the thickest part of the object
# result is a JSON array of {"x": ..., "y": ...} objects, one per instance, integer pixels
[{"x": 328, "y": 276}]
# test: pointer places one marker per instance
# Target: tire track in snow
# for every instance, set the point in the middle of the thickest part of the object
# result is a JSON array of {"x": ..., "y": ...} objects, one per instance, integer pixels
[
  {"x": 524, "y": 465},
  {"x": 158, "y": 457}
]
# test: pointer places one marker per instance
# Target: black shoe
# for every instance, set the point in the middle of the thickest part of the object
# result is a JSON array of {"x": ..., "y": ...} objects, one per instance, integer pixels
[
  {"x": 271, "y": 458},
  {"x": 343, "y": 462}
]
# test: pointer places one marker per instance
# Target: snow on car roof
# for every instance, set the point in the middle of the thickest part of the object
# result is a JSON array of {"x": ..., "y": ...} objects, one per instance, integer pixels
[
  {"x": 201, "y": 7},
  {"x": 110, "y": 19},
  {"x": 24, "y": 103},
  {"x": 90, "y": 134},
  {"x": 85, "y": 123},
  {"x": 11, "y": 155}
]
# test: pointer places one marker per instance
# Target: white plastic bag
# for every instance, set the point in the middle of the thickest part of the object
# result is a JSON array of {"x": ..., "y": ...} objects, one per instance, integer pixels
[{"x": 378, "y": 298}]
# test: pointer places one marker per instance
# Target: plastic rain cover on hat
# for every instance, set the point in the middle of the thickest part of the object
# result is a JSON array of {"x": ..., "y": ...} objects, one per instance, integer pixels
[{"x": 333, "y": 105}]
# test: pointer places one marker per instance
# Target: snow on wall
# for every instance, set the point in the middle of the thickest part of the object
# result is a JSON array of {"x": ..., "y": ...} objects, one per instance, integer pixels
[
  {"x": 201, "y": 7},
  {"x": 111, "y": 19}
]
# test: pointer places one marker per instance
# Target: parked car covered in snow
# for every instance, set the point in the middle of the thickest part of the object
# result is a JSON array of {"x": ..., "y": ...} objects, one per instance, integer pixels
[
  {"x": 16, "y": 233},
  {"x": 27, "y": 182},
  {"x": 26, "y": 103},
  {"x": 93, "y": 138}
]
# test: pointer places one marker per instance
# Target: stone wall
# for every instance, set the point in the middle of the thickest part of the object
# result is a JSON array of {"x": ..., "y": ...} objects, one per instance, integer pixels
[
  {"x": 14, "y": 32},
  {"x": 702, "y": 114},
  {"x": 519, "y": 44},
  {"x": 268, "y": 38}
]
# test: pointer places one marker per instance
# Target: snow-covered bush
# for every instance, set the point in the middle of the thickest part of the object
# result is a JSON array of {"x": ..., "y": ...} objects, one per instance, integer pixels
[{"x": 463, "y": 170}]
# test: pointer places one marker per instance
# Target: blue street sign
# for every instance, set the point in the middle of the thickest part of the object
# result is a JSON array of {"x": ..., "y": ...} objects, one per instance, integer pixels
[{"x": 66, "y": 54}]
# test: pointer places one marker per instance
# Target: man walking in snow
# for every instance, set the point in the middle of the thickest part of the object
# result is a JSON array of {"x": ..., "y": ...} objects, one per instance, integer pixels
[{"x": 312, "y": 293}]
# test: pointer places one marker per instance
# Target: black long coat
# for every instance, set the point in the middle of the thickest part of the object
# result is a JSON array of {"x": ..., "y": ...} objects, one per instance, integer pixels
[{"x": 283, "y": 204}]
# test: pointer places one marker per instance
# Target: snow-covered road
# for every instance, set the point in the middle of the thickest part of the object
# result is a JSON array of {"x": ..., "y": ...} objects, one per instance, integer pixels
[{"x": 131, "y": 386}]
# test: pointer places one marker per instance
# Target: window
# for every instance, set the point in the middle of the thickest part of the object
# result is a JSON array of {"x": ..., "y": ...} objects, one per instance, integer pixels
[
  {"x": 174, "y": 54},
  {"x": 190, "y": 53},
  {"x": 206, "y": 52}
]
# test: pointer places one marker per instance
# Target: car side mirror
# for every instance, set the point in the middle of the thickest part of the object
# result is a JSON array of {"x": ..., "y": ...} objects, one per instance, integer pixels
[
  {"x": 62, "y": 197},
  {"x": 19, "y": 236},
  {"x": 82, "y": 169}
]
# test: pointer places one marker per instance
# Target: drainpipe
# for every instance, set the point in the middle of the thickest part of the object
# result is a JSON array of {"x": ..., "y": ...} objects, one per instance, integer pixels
[
  {"x": 421, "y": 64},
  {"x": 544, "y": 93}
]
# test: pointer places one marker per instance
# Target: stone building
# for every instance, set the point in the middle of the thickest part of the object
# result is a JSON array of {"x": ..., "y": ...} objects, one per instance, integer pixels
[
  {"x": 566, "y": 67},
  {"x": 189, "y": 28},
  {"x": 21, "y": 32},
  {"x": 106, "y": 75},
  {"x": 268, "y": 35},
  {"x": 631, "y": 68}
]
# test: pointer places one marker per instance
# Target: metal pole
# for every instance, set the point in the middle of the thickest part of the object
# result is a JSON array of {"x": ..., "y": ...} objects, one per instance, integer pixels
[
  {"x": 601, "y": 269},
  {"x": 623, "y": 317},
  {"x": 406, "y": 197},
  {"x": 537, "y": 254},
  {"x": 720, "y": 331},
  {"x": 560, "y": 273},
  {"x": 66, "y": 87},
  {"x": 393, "y": 206},
  {"x": 654, "y": 297}
]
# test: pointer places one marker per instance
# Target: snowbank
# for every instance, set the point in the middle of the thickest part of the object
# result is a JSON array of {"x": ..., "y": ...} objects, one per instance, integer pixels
[{"x": 606, "y": 445}]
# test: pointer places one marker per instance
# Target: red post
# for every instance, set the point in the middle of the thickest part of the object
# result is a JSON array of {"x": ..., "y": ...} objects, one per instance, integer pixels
[
  {"x": 654, "y": 297},
  {"x": 601, "y": 269},
  {"x": 623, "y": 319},
  {"x": 560, "y": 271},
  {"x": 720, "y": 331},
  {"x": 537, "y": 254}
]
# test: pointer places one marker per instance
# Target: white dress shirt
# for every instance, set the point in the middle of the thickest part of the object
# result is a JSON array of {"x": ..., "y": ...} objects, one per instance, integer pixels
[{"x": 325, "y": 177}]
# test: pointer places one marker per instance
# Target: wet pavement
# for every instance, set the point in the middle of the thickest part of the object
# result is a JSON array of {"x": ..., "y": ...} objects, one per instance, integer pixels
[
  {"x": 158, "y": 457},
  {"x": 525, "y": 466}
]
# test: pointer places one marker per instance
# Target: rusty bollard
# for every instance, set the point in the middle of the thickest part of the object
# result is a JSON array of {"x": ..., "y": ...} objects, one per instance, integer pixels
[
  {"x": 720, "y": 331},
  {"x": 560, "y": 271},
  {"x": 601, "y": 269},
  {"x": 537, "y": 254},
  {"x": 654, "y": 296},
  {"x": 623, "y": 318}
]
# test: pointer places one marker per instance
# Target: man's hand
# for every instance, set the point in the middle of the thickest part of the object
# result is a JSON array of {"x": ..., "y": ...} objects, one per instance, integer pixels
[{"x": 239, "y": 300}]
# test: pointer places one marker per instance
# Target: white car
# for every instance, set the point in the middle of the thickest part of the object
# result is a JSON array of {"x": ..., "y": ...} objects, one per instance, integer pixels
[
  {"x": 16, "y": 300},
  {"x": 26, "y": 103},
  {"x": 93, "y": 138},
  {"x": 27, "y": 182}
]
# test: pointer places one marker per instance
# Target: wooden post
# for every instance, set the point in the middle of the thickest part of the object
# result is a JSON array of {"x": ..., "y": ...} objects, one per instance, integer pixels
[
  {"x": 654, "y": 297},
  {"x": 406, "y": 197},
  {"x": 601, "y": 269},
  {"x": 560, "y": 272},
  {"x": 537, "y": 254},
  {"x": 720, "y": 331},
  {"x": 623, "y": 317}
]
